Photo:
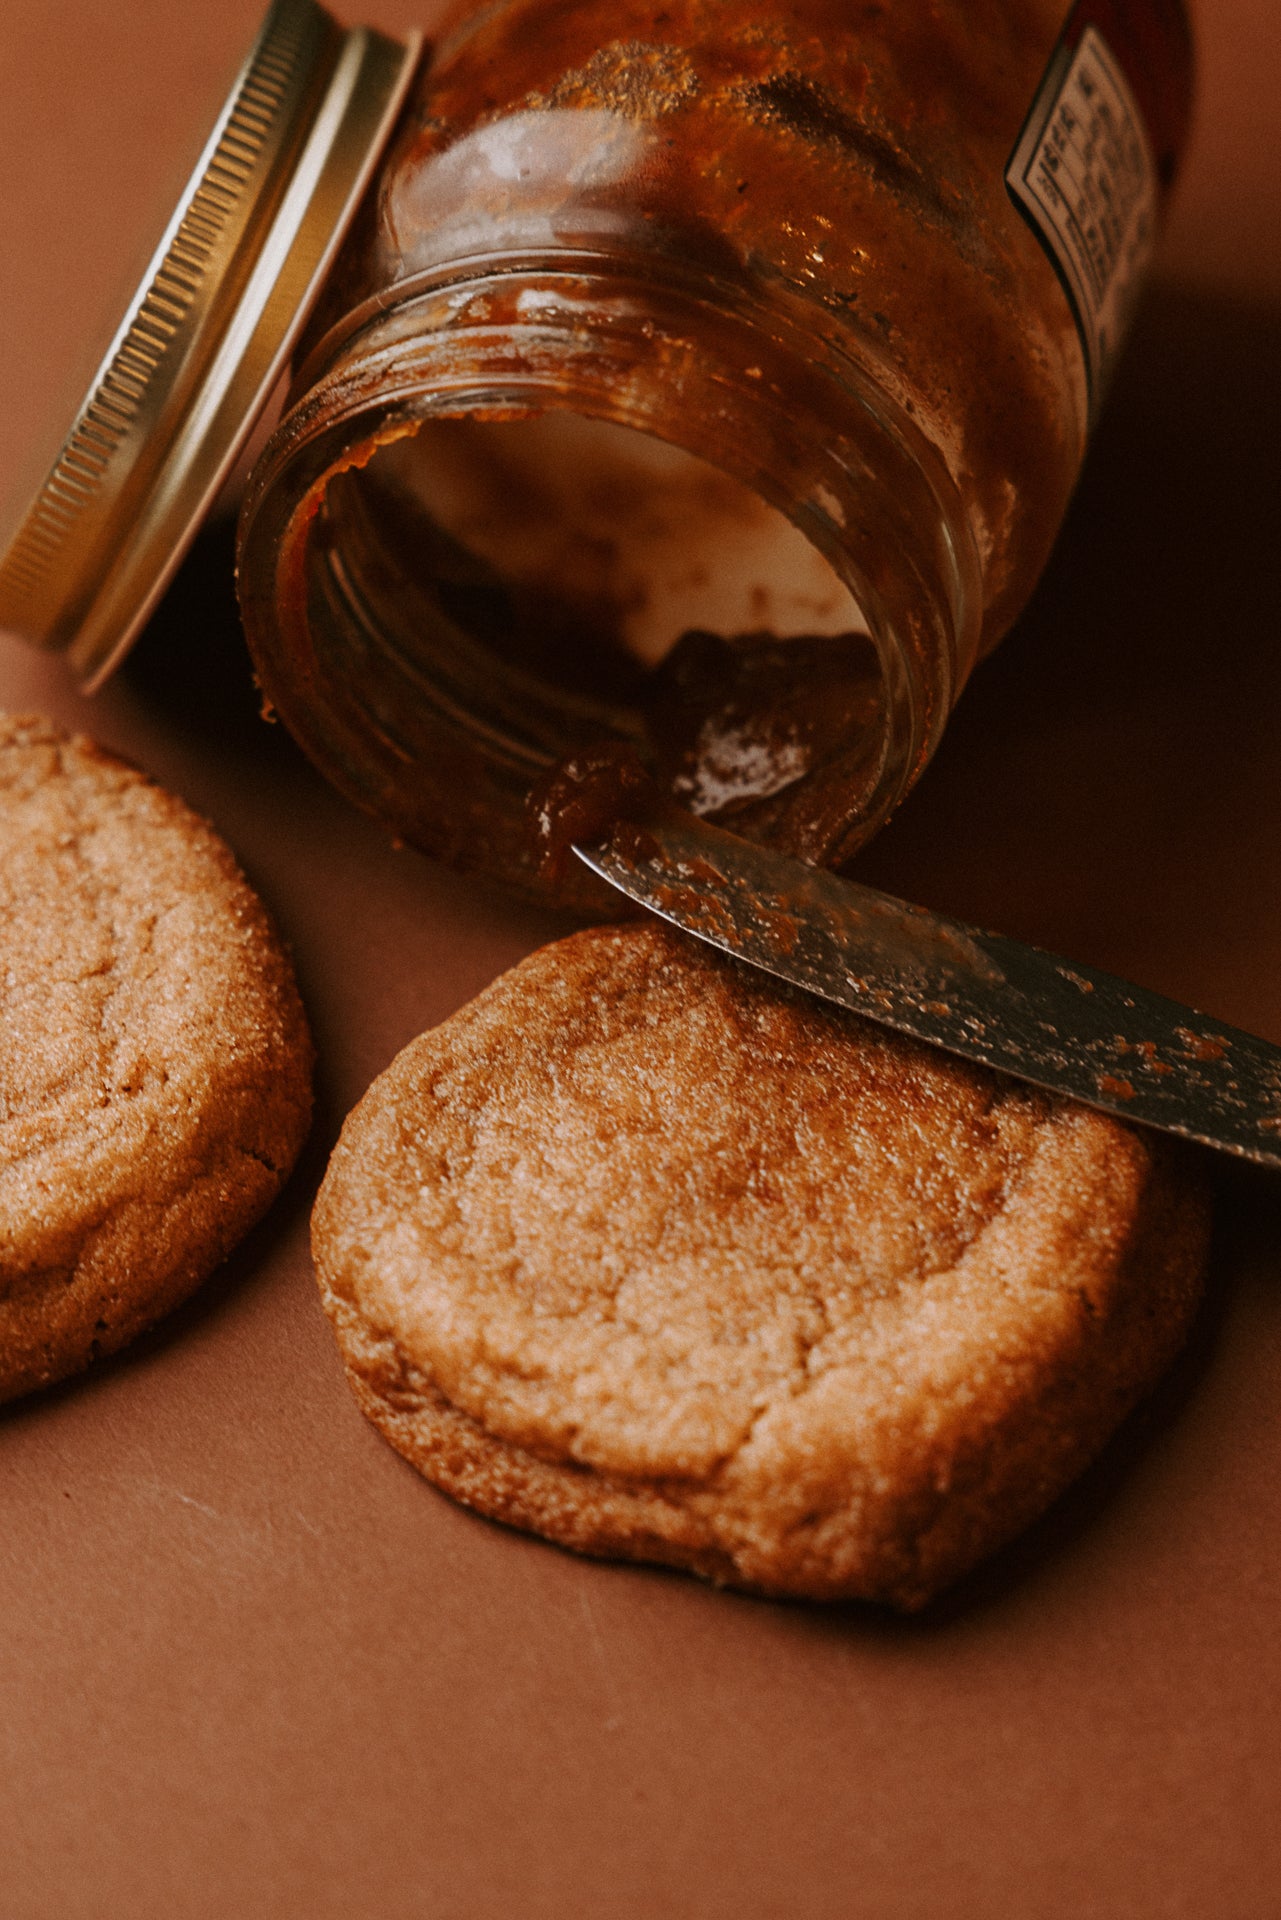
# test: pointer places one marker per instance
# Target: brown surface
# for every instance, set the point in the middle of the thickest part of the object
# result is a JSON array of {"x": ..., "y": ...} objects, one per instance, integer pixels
[
  {"x": 251, "y": 1664},
  {"x": 653, "y": 1257}
]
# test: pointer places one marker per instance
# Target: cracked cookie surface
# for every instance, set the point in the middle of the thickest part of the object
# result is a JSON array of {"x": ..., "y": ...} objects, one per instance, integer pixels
[
  {"x": 648, "y": 1255},
  {"x": 155, "y": 1065}
]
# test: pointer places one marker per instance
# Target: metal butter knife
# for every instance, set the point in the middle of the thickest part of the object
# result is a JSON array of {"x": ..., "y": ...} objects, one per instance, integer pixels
[{"x": 1006, "y": 1005}]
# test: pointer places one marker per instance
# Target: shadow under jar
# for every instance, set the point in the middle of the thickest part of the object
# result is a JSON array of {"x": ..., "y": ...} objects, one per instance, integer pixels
[{"x": 704, "y": 376}]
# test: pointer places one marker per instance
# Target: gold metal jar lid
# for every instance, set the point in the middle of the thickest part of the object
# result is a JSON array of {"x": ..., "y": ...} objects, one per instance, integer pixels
[{"x": 207, "y": 335}]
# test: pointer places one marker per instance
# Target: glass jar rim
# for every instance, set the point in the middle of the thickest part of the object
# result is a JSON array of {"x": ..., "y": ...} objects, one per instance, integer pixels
[{"x": 872, "y": 484}]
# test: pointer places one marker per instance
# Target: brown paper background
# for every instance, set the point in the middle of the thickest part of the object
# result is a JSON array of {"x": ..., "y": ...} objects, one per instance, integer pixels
[{"x": 250, "y": 1664}]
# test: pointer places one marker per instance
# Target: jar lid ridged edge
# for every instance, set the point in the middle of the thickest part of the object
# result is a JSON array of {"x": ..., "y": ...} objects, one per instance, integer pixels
[{"x": 208, "y": 334}]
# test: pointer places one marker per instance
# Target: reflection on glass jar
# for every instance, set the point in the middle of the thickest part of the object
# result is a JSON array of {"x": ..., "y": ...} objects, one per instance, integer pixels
[{"x": 698, "y": 376}]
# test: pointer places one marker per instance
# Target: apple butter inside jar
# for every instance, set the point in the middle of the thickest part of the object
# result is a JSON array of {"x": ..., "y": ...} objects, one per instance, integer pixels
[{"x": 709, "y": 379}]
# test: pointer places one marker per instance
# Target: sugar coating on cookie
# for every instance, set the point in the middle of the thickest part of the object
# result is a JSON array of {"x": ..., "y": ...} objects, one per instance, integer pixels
[
  {"x": 155, "y": 1064},
  {"x": 650, "y": 1256}
]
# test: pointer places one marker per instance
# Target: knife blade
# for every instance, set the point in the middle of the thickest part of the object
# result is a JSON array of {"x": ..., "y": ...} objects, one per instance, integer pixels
[{"x": 1068, "y": 1028}]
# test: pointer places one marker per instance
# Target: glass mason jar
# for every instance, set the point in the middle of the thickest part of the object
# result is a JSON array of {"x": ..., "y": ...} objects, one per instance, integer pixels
[{"x": 707, "y": 376}]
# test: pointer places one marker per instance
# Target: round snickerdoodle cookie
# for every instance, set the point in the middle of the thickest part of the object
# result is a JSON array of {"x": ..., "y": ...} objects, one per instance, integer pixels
[
  {"x": 655, "y": 1258},
  {"x": 155, "y": 1064}
]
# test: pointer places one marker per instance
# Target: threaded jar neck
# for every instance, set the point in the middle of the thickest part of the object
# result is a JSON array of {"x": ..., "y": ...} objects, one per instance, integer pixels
[{"x": 427, "y": 715}]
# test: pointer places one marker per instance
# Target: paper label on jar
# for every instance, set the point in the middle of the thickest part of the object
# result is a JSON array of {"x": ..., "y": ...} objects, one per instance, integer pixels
[{"x": 1084, "y": 175}]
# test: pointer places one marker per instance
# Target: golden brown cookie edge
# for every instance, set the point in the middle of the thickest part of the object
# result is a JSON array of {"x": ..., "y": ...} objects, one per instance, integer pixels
[
  {"x": 1013, "y": 1470},
  {"x": 56, "y": 1321}
]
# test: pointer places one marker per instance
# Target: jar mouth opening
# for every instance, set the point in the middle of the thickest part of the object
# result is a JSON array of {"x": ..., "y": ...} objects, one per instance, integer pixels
[
  {"x": 622, "y": 588},
  {"x": 578, "y": 510}
]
